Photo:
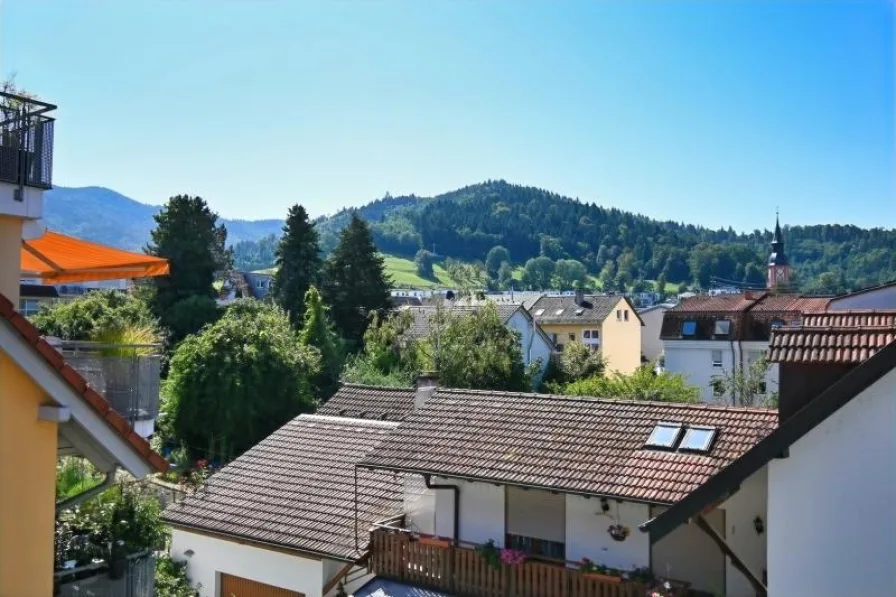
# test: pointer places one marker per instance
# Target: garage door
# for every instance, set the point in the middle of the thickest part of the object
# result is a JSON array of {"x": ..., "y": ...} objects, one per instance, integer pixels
[{"x": 234, "y": 586}]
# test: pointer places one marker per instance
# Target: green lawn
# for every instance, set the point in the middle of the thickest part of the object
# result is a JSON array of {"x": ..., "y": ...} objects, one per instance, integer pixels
[{"x": 404, "y": 274}]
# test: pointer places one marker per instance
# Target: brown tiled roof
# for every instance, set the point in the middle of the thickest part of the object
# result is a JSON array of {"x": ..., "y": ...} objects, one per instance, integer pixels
[
  {"x": 296, "y": 489},
  {"x": 782, "y": 303},
  {"x": 573, "y": 445},
  {"x": 369, "y": 402},
  {"x": 722, "y": 303},
  {"x": 595, "y": 309},
  {"x": 841, "y": 337},
  {"x": 32, "y": 337}
]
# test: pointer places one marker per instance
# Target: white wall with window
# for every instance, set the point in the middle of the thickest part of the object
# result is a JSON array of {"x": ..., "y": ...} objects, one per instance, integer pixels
[{"x": 699, "y": 361}]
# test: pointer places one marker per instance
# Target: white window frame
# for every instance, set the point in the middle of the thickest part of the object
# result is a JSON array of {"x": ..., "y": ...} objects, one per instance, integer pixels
[{"x": 716, "y": 362}]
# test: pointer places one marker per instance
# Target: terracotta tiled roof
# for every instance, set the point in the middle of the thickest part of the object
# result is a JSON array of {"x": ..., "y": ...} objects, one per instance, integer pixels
[
  {"x": 369, "y": 402},
  {"x": 722, "y": 303},
  {"x": 791, "y": 303},
  {"x": 33, "y": 338},
  {"x": 296, "y": 489},
  {"x": 595, "y": 309},
  {"x": 841, "y": 337},
  {"x": 587, "y": 446}
]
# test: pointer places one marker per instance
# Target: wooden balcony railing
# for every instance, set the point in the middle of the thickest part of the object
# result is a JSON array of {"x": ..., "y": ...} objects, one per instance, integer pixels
[{"x": 462, "y": 571}]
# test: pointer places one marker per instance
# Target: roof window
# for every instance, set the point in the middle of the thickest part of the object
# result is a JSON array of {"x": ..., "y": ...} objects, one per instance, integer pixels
[
  {"x": 689, "y": 328},
  {"x": 579, "y": 312},
  {"x": 697, "y": 439},
  {"x": 664, "y": 435},
  {"x": 539, "y": 312},
  {"x": 558, "y": 312},
  {"x": 722, "y": 327}
]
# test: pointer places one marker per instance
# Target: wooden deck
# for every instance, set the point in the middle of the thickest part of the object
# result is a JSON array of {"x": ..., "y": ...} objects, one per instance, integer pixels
[{"x": 462, "y": 571}]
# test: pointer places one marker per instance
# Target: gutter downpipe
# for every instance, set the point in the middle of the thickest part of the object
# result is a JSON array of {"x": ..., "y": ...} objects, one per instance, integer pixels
[
  {"x": 82, "y": 497},
  {"x": 429, "y": 485}
]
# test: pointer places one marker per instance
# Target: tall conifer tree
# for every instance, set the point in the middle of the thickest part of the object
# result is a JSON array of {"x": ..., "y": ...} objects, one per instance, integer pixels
[{"x": 298, "y": 264}]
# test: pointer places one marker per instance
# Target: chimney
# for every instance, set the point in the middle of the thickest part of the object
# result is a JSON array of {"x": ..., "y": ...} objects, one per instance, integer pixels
[
  {"x": 426, "y": 384},
  {"x": 580, "y": 296}
]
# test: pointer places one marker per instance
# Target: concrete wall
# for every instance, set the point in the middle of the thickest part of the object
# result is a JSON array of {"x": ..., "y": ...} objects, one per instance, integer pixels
[
  {"x": 831, "y": 530},
  {"x": 688, "y": 554},
  {"x": 741, "y": 510},
  {"x": 621, "y": 340},
  {"x": 881, "y": 298},
  {"x": 651, "y": 345},
  {"x": 212, "y": 556},
  {"x": 28, "y": 479},
  {"x": 587, "y": 537}
]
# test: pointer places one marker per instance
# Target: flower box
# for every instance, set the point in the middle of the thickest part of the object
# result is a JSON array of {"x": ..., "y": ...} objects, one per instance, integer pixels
[
  {"x": 435, "y": 541},
  {"x": 602, "y": 577}
]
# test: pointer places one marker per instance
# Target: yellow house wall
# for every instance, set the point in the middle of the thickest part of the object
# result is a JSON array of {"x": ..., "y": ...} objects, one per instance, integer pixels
[
  {"x": 27, "y": 487},
  {"x": 563, "y": 331},
  {"x": 621, "y": 340}
]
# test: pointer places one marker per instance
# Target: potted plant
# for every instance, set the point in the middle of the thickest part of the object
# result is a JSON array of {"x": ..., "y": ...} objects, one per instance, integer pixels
[
  {"x": 618, "y": 531},
  {"x": 593, "y": 571},
  {"x": 490, "y": 554},
  {"x": 434, "y": 541},
  {"x": 512, "y": 557}
]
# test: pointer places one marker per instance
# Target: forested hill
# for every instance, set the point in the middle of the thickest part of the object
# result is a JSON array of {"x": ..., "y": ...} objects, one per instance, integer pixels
[{"x": 465, "y": 224}]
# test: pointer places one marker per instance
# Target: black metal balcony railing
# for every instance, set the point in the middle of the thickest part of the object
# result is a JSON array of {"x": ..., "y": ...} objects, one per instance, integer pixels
[
  {"x": 26, "y": 141},
  {"x": 133, "y": 577},
  {"x": 127, "y": 375}
]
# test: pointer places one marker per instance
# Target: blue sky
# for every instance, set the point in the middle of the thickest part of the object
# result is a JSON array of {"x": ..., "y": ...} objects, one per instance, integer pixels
[{"x": 708, "y": 112}]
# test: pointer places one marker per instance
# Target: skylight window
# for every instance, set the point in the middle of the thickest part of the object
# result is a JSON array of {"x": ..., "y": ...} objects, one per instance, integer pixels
[
  {"x": 664, "y": 435},
  {"x": 539, "y": 312},
  {"x": 558, "y": 312},
  {"x": 689, "y": 328},
  {"x": 697, "y": 439},
  {"x": 579, "y": 311},
  {"x": 722, "y": 328}
]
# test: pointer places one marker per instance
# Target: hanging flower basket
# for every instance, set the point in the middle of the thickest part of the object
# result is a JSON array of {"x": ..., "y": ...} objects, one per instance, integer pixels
[
  {"x": 435, "y": 541},
  {"x": 619, "y": 532}
]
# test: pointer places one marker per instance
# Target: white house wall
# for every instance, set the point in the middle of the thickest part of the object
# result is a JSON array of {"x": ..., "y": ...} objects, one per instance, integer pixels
[
  {"x": 651, "y": 345},
  {"x": 741, "y": 510},
  {"x": 532, "y": 344},
  {"x": 481, "y": 511},
  {"x": 419, "y": 506},
  {"x": 587, "y": 537},
  {"x": 212, "y": 556},
  {"x": 694, "y": 360},
  {"x": 831, "y": 529}
]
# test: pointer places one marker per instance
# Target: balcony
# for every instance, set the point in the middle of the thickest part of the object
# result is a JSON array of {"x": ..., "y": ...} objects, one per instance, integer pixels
[
  {"x": 460, "y": 570},
  {"x": 26, "y": 141},
  {"x": 134, "y": 576},
  {"x": 127, "y": 376}
]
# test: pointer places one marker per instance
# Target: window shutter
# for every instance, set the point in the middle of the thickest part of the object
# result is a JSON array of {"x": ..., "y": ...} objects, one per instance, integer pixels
[{"x": 538, "y": 514}]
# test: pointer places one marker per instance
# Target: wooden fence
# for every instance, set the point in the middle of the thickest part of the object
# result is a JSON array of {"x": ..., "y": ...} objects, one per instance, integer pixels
[{"x": 462, "y": 571}]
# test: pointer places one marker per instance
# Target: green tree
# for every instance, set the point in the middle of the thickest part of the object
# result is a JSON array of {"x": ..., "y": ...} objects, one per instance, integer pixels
[
  {"x": 188, "y": 235},
  {"x": 538, "y": 273},
  {"x": 505, "y": 276},
  {"x": 493, "y": 260},
  {"x": 608, "y": 276},
  {"x": 475, "y": 350},
  {"x": 298, "y": 264},
  {"x": 577, "y": 361},
  {"x": 744, "y": 386},
  {"x": 568, "y": 273},
  {"x": 389, "y": 357},
  {"x": 93, "y": 315},
  {"x": 317, "y": 332},
  {"x": 355, "y": 281},
  {"x": 643, "y": 384},
  {"x": 423, "y": 261},
  {"x": 238, "y": 380},
  {"x": 660, "y": 285}
]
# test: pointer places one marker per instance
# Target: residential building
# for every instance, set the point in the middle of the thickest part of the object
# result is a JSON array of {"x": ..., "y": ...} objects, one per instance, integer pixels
[
  {"x": 47, "y": 409},
  {"x": 535, "y": 345},
  {"x": 830, "y": 465},
  {"x": 259, "y": 283},
  {"x": 652, "y": 317},
  {"x": 291, "y": 516},
  {"x": 882, "y": 296},
  {"x": 34, "y": 296},
  {"x": 563, "y": 479},
  {"x": 708, "y": 336},
  {"x": 607, "y": 323}
]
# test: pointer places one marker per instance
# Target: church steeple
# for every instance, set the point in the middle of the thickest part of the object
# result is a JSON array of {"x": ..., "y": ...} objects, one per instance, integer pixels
[{"x": 778, "y": 265}]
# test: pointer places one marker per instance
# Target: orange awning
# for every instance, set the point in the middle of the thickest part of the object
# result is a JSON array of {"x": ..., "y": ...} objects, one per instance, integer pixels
[{"x": 56, "y": 259}]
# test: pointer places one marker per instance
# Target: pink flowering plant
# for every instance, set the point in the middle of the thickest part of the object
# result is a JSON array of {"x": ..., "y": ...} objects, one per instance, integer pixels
[{"x": 512, "y": 557}]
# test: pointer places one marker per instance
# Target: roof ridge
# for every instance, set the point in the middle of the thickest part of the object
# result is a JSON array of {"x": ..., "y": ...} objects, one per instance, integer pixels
[
  {"x": 365, "y": 386},
  {"x": 597, "y": 399},
  {"x": 346, "y": 421}
]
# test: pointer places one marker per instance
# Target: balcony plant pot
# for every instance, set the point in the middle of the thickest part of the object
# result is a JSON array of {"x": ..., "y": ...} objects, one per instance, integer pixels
[
  {"x": 435, "y": 541},
  {"x": 605, "y": 578}
]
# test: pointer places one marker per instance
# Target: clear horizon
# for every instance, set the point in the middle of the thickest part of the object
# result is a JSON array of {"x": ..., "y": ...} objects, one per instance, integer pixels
[{"x": 660, "y": 109}]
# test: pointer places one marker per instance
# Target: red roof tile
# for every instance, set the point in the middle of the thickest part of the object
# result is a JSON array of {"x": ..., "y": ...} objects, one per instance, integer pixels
[
  {"x": 33, "y": 338},
  {"x": 574, "y": 445},
  {"x": 834, "y": 337},
  {"x": 722, "y": 303}
]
